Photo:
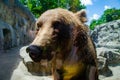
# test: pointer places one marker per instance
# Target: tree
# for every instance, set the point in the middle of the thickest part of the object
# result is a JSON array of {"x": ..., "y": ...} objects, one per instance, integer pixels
[
  {"x": 93, "y": 24},
  {"x": 112, "y": 14},
  {"x": 37, "y": 7},
  {"x": 75, "y": 5},
  {"x": 108, "y": 15}
]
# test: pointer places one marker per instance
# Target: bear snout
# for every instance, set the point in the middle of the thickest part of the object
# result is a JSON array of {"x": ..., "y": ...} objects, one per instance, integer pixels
[{"x": 35, "y": 52}]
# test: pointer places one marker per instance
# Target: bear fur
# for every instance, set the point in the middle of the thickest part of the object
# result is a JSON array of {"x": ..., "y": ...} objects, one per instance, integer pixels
[{"x": 63, "y": 39}]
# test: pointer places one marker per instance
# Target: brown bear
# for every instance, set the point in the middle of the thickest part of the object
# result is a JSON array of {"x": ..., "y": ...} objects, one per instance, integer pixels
[{"x": 63, "y": 40}]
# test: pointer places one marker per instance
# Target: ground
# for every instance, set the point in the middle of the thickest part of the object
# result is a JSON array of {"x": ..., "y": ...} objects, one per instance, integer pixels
[{"x": 8, "y": 62}]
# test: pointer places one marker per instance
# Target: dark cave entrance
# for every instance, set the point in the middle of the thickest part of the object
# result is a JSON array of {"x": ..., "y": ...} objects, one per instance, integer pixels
[{"x": 7, "y": 39}]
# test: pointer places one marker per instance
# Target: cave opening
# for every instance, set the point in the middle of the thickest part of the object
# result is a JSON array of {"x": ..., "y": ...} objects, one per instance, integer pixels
[{"x": 7, "y": 39}]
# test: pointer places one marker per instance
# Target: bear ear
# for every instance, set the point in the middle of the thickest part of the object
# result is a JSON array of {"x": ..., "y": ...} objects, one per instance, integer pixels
[{"x": 81, "y": 15}]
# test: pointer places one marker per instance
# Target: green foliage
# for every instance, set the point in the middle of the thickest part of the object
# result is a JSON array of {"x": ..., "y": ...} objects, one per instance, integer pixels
[
  {"x": 112, "y": 14},
  {"x": 37, "y": 7},
  {"x": 75, "y": 5},
  {"x": 93, "y": 24},
  {"x": 108, "y": 15}
]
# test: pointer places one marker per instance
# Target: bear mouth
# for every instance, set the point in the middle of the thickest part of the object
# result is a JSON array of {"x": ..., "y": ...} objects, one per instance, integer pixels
[
  {"x": 38, "y": 53},
  {"x": 35, "y": 56},
  {"x": 38, "y": 57}
]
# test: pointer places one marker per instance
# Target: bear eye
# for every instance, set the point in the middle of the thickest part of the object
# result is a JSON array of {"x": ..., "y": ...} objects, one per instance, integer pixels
[
  {"x": 39, "y": 25},
  {"x": 56, "y": 24},
  {"x": 83, "y": 14}
]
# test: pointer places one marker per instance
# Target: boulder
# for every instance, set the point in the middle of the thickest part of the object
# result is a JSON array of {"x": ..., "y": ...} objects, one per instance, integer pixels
[
  {"x": 21, "y": 73},
  {"x": 107, "y": 35},
  {"x": 107, "y": 40},
  {"x": 103, "y": 68},
  {"x": 113, "y": 57},
  {"x": 29, "y": 70},
  {"x": 41, "y": 68}
]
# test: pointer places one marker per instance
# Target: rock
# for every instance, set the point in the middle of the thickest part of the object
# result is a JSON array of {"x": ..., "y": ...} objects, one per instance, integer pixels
[
  {"x": 103, "y": 67},
  {"x": 29, "y": 70},
  {"x": 111, "y": 78},
  {"x": 116, "y": 73},
  {"x": 107, "y": 35},
  {"x": 107, "y": 40},
  {"x": 21, "y": 73},
  {"x": 25, "y": 56},
  {"x": 112, "y": 56},
  {"x": 16, "y": 21},
  {"x": 42, "y": 68}
]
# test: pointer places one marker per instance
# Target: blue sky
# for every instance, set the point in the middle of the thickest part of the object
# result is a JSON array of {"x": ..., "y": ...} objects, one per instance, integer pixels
[{"x": 95, "y": 8}]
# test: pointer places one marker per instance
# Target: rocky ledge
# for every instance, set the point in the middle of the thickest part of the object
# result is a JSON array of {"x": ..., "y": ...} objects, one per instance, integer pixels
[{"x": 107, "y": 41}]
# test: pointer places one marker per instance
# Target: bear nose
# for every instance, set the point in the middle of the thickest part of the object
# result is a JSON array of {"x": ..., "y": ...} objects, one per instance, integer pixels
[
  {"x": 35, "y": 52},
  {"x": 34, "y": 49}
]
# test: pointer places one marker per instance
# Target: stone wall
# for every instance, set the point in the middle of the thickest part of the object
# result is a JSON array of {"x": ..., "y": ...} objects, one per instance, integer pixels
[
  {"x": 107, "y": 35},
  {"x": 16, "y": 22},
  {"x": 107, "y": 39}
]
